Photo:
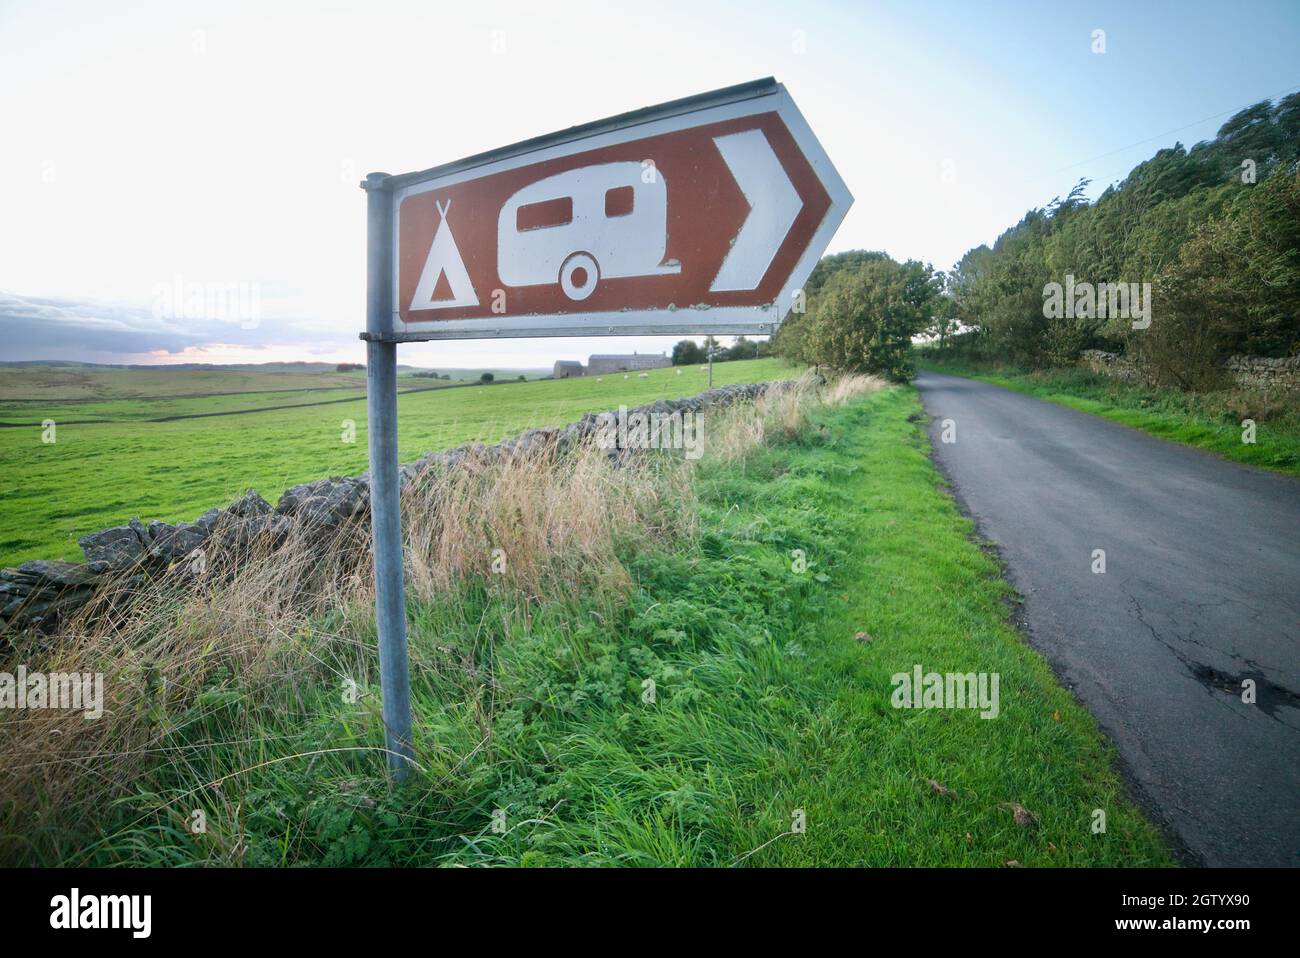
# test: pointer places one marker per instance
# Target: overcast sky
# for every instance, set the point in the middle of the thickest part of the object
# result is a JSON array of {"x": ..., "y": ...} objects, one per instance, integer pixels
[{"x": 148, "y": 144}]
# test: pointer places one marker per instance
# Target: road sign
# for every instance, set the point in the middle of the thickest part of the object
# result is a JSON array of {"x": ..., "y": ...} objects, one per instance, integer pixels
[{"x": 703, "y": 215}]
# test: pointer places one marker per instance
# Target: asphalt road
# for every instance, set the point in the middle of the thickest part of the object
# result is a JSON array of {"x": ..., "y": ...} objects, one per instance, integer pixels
[{"x": 1201, "y": 591}]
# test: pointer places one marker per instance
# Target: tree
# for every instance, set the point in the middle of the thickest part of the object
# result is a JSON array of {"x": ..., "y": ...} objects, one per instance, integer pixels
[
  {"x": 828, "y": 266},
  {"x": 742, "y": 348},
  {"x": 1212, "y": 229},
  {"x": 864, "y": 318},
  {"x": 943, "y": 319},
  {"x": 688, "y": 353},
  {"x": 1235, "y": 288},
  {"x": 486, "y": 378},
  {"x": 788, "y": 340}
]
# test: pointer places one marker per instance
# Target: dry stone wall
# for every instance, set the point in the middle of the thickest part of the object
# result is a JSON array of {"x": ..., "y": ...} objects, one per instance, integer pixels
[
  {"x": 40, "y": 593},
  {"x": 1258, "y": 372}
]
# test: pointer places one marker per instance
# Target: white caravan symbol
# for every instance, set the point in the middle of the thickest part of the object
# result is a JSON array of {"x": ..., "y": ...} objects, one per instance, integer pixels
[{"x": 576, "y": 228}]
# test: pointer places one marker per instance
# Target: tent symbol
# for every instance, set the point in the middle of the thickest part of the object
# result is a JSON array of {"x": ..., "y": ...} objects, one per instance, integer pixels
[{"x": 444, "y": 259}]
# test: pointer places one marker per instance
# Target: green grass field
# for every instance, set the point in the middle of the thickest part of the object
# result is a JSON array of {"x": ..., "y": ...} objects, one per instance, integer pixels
[
  {"x": 538, "y": 747},
  {"x": 29, "y": 395},
  {"x": 102, "y": 474},
  {"x": 59, "y": 384},
  {"x": 1212, "y": 421},
  {"x": 26, "y": 386}
]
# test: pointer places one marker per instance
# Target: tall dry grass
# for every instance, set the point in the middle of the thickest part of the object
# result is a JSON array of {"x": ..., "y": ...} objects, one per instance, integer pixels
[
  {"x": 540, "y": 524},
  {"x": 541, "y": 527},
  {"x": 158, "y": 647},
  {"x": 782, "y": 412}
]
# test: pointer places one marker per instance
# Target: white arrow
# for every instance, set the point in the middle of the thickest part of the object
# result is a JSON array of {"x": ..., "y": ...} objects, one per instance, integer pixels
[{"x": 773, "y": 205}]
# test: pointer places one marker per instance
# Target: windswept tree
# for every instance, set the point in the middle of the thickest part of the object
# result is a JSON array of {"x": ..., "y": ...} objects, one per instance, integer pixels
[{"x": 1211, "y": 231}]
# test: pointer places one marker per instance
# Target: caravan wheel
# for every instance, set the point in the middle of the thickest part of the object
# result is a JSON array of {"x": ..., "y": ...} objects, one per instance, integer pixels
[{"x": 578, "y": 276}]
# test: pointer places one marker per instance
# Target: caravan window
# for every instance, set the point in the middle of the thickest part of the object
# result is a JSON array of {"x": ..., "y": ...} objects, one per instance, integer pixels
[
  {"x": 618, "y": 201},
  {"x": 537, "y": 216}
]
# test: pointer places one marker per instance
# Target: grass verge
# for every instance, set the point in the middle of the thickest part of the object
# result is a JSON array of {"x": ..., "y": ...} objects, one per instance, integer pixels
[
  {"x": 681, "y": 700},
  {"x": 1210, "y": 421}
]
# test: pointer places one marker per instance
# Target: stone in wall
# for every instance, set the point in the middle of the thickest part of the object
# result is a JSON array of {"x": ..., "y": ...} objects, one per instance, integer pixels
[{"x": 1263, "y": 372}]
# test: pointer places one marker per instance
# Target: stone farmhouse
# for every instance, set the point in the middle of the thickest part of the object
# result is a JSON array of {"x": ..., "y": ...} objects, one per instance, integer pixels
[{"x": 600, "y": 364}]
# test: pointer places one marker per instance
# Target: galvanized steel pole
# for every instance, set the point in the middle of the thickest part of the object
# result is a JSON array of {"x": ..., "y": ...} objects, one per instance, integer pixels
[{"x": 385, "y": 482}]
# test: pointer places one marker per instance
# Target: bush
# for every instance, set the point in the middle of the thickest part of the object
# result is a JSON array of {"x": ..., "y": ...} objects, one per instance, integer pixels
[{"x": 864, "y": 317}]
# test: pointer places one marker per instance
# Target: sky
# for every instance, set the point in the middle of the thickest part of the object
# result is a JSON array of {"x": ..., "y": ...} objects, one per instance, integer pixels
[{"x": 148, "y": 146}]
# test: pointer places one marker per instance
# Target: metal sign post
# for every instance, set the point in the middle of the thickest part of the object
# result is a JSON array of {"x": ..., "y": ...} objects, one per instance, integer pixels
[
  {"x": 700, "y": 216},
  {"x": 385, "y": 481}
]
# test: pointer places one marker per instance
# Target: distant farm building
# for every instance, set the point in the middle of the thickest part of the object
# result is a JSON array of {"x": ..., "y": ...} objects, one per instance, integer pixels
[
  {"x": 627, "y": 364},
  {"x": 634, "y": 362}
]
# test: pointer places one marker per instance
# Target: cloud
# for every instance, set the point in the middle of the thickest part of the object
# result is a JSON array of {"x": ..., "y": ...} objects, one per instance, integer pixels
[{"x": 36, "y": 327}]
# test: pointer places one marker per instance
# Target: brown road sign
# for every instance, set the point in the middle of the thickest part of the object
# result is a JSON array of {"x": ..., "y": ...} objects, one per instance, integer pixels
[{"x": 701, "y": 215}]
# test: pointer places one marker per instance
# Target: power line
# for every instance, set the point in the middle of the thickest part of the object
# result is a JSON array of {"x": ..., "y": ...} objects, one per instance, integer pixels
[
  {"x": 1179, "y": 129},
  {"x": 1112, "y": 178}
]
